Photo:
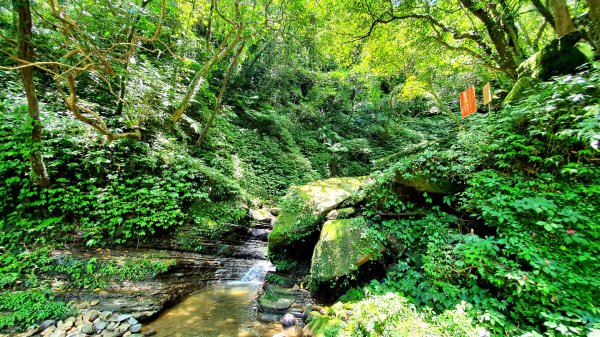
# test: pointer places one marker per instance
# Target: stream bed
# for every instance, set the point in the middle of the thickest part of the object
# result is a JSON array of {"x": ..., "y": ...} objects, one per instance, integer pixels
[{"x": 218, "y": 310}]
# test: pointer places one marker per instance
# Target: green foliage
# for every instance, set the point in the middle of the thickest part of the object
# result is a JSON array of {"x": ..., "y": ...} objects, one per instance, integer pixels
[
  {"x": 21, "y": 309},
  {"x": 390, "y": 314},
  {"x": 527, "y": 259},
  {"x": 94, "y": 273}
]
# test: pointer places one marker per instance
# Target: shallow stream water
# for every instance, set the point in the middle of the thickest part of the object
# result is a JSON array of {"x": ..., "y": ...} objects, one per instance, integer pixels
[{"x": 219, "y": 310}]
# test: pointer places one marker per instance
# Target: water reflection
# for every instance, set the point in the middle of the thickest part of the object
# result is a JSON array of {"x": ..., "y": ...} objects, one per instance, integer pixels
[{"x": 220, "y": 310}]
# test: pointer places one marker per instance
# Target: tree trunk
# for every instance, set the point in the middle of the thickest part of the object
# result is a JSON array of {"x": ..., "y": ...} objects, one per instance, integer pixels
[
  {"x": 562, "y": 17},
  {"x": 594, "y": 14},
  {"x": 506, "y": 54},
  {"x": 25, "y": 24},
  {"x": 217, "y": 106}
]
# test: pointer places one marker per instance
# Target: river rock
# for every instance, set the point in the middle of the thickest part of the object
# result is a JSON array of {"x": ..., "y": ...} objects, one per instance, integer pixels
[
  {"x": 127, "y": 334},
  {"x": 49, "y": 330},
  {"x": 135, "y": 328},
  {"x": 101, "y": 325},
  {"x": 261, "y": 215},
  {"x": 94, "y": 302},
  {"x": 59, "y": 333},
  {"x": 83, "y": 305},
  {"x": 114, "y": 318},
  {"x": 47, "y": 323},
  {"x": 91, "y": 315},
  {"x": 66, "y": 325},
  {"x": 105, "y": 315},
  {"x": 106, "y": 333},
  {"x": 30, "y": 332},
  {"x": 132, "y": 321},
  {"x": 88, "y": 328},
  {"x": 136, "y": 335},
  {"x": 111, "y": 326},
  {"x": 121, "y": 329},
  {"x": 124, "y": 317}
]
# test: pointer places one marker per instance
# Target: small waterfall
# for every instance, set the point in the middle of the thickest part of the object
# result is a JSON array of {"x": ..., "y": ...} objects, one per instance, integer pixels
[{"x": 258, "y": 272}]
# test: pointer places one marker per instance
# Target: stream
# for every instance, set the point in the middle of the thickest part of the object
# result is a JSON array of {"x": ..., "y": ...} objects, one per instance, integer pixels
[{"x": 225, "y": 309}]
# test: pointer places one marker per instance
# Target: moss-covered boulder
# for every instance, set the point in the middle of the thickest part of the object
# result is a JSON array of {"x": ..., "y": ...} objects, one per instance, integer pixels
[
  {"x": 519, "y": 90},
  {"x": 560, "y": 57},
  {"x": 302, "y": 212},
  {"x": 425, "y": 182},
  {"x": 341, "y": 250}
]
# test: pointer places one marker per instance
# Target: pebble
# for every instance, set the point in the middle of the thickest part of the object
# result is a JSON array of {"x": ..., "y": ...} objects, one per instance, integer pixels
[
  {"x": 58, "y": 333},
  {"x": 111, "y": 326},
  {"x": 88, "y": 328},
  {"x": 135, "y": 328},
  {"x": 114, "y": 318},
  {"x": 47, "y": 323},
  {"x": 101, "y": 325},
  {"x": 83, "y": 305},
  {"x": 49, "y": 330},
  {"x": 105, "y": 315},
  {"x": 91, "y": 315},
  {"x": 122, "y": 328},
  {"x": 95, "y": 302},
  {"x": 92, "y": 323},
  {"x": 124, "y": 317}
]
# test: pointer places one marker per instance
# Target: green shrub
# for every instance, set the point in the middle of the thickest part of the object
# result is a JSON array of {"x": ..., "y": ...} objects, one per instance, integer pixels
[{"x": 21, "y": 309}]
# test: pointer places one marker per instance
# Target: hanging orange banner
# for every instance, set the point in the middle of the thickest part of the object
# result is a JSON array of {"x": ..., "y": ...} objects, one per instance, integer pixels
[
  {"x": 487, "y": 94},
  {"x": 467, "y": 102}
]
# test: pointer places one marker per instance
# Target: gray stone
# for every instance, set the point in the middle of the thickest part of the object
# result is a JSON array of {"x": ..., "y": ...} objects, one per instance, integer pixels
[
  {"x": 124, "y": 317},
  {"x": 114, "y": 318},
  {"x": 283, "y": 303},
  {"x": 91, "y": 315},
  {"x": 108, "y": 334},
  {"x": 127, "y": 334},
  {"x": 135, "y": 328},
  {"x": 49, "y": 330},
  {"x": 122, "y": 328},
  {"x": 68, "y": 324},
  {"x": 132, "y": 321},
  {"x": 105, "y": 315},
  {"x": 111, "y": 326},
  {"x": 101, "y": 325},
  {"x": 88, "y": 328},
  {"x": 58, "y": 333},
  {"x": 30, "y": 332},
  {"x": 47, "y": 323}
]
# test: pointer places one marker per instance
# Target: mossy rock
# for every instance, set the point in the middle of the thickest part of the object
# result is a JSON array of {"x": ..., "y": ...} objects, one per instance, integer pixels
[
  {"x": 322, "y": 326},
  {"x": 302, "y": 211},
  {"x": 424, "y": 183},
  {"x": 341, "y": 250},
  {"x": 519, "y": 90},
  {"x": 560, "y": 57}
]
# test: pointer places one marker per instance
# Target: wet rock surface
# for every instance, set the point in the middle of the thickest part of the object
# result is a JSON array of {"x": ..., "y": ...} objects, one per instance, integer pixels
[
  {"x": 216, "y": 261},
  {"x": 274, "y": 302}
]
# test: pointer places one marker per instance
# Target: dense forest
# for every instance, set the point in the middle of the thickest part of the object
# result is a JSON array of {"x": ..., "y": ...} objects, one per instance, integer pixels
[{"x": 124, "y": 122}]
